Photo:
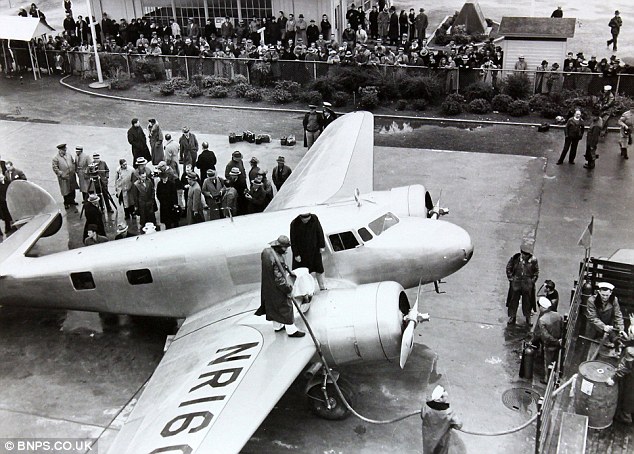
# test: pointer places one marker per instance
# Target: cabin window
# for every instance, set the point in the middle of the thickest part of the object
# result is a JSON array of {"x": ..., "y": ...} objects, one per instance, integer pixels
[
  {"x": 343, "y": 241},
  {"x": 365, "y": 234},
  {"x": 380, "y": 225},
  {"x": 83, "y": 280},
  {"x": 138, "y": 277}
]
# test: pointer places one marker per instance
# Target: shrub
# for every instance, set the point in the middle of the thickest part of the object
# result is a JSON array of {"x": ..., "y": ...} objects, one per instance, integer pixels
[
  {"x": 551, "y": 110},
  {"x": 428, "y": 88},
  {"x": 120, "y": 80},
  {"x": 254, "y": 94},
  {"x": 197, "y": 79},
  {"x": 340, "y": 98},
  {"x": 401, "y": 104},
  {"x": 310, "y": 97},
  {"x": 147, "y": 70},
  {"x": 501, "y": 103},
  {"x": 351, "y": 78},
  {"x": 538, "y": 101},
  {"x": 194, "y": 91},
  {"x": 289, "y": 86},
  {"x": 218, "y": 92},
  {"x": 110, "y": 63},
  {"x": 452, "y": 104},
  {"x": 241, "y": 89},
  {"x": 167, "y": 88},
  {"x": 369, "y": 100},
  {"x": 519, "y": 108},
  {"x": 479, "y": 106},
  {"x": 419, "y": 104},
  {"x": 478, "y": 90},
  {"x": 239, "y": 79},
  {"x": 261, "y": 74},
  {"x": 517, "y": 86},
  {"x": 179, "y": 83},
  {"x": 281, "y": 96},
  {"x": 324, "y": 85},
  {"x": 214, "y": 81}
]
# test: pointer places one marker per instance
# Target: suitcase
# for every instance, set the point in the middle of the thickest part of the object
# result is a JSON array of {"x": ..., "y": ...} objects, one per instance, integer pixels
[
  {"x": 283, "y": 141},
  {"x": 232, "y": 138}
]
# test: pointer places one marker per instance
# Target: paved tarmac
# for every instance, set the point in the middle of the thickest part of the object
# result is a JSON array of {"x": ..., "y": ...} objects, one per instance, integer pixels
[{"x": 61, "y": 374}]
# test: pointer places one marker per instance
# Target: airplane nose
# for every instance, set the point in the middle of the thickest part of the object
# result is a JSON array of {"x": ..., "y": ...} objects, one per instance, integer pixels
[{"x": 455, "y": 245}]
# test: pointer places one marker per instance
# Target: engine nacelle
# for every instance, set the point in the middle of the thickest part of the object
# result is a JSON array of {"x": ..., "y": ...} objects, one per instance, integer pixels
[
  {"x": 359, "y": 324},
  {"x": 409, "y": 200}
]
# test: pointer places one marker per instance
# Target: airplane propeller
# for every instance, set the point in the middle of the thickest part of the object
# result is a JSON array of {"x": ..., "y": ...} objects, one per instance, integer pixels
[{"x": 412, "y": 318}]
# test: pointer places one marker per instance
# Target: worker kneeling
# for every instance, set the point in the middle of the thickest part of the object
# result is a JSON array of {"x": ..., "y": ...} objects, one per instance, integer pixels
[{"x": 549, "y": 331}]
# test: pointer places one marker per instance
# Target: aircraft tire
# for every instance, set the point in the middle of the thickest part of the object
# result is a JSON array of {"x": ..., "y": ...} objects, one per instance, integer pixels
[{"x": 338, "y": 410}]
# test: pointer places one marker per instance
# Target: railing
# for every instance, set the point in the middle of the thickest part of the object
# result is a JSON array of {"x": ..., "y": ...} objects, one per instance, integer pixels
[
  {"x": 572, "y": 327},
  {"x": 545, "y": 416},
  {"x": 302, "y": 71}
]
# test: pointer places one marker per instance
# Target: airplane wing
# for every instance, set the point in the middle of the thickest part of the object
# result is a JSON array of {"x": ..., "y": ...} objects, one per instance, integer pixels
[
  {"x": 218, "y": 381},
  {"x": 341, "y": 160}
]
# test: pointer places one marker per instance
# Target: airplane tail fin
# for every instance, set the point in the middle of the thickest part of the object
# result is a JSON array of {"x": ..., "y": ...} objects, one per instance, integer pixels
[{"x": 35, "y": 211}]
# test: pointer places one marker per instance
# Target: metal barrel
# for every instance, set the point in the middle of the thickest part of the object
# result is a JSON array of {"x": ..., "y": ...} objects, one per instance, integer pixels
[{"x": 593, "y": 397}]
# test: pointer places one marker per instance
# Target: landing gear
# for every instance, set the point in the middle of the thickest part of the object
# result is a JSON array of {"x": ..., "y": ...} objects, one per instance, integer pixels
[{"x": 323, "y": 398}]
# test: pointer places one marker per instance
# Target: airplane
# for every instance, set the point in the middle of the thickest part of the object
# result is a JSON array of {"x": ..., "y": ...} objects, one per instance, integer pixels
[{"x": 225, "y": 365}]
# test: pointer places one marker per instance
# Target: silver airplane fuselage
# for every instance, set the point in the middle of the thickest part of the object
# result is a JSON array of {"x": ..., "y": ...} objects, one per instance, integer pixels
[{"x": 179, "y": 272}]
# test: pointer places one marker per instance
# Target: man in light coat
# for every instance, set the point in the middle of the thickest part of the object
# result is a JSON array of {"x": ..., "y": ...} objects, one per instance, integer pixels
[
  {"x": 82, "y": 162},
  {"x": 64, "y": 167},
  {"x": 188, "y": 147},
  {"x": 172, "y": 150}
]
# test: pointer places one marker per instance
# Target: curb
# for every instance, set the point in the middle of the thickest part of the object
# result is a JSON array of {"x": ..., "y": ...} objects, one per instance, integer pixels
[{"x": 298, "y": 111}]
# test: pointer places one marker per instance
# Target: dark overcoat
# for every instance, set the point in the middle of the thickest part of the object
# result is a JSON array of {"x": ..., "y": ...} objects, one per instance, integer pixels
[
  {"x": 307, "y": 240},
  {"x": 136, "y": 138},
  {"x": 275, "y": 290},
  {"x": 93, "y": 216}
]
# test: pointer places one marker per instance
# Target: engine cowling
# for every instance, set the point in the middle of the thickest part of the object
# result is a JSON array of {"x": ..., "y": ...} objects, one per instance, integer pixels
[{"x": 360, "y": 324}]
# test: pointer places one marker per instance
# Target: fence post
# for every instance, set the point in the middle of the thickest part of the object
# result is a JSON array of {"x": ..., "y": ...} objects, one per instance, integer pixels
[
  {"x": 457, "y": 80},
  {"x": 540, "y": 405},
  {"x": 186, "y": 68},
  {"x": 618, "y": 83}
]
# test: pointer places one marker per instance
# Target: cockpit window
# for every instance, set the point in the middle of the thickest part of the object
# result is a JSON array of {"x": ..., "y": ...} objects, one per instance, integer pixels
[
  {"x": 365, "y": 234},
  {"x": 380, "y": 225},
  {"x": 342, "y": 241}
]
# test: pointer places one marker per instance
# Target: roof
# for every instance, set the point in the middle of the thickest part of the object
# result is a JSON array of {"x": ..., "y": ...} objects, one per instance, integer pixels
[
  {"x": 537, "y": 27},
  {"x": 472, "y": 18},
  {"x": 22, "y": 28}
]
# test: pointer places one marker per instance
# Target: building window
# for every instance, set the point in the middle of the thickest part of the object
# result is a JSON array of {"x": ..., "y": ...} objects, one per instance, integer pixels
[
  {"x": 216, "y": 9},
  {"x": 138, "y": 277},
  {"x": 83, "y": 280}
]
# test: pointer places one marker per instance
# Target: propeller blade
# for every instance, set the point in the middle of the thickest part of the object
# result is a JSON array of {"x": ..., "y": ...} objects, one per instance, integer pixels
[{"x": 407, "y": 343}]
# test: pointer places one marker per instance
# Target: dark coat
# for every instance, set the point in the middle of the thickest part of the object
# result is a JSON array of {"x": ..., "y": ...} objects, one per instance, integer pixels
[
  {"x": 275, "y": 290},
  {"x": 206, "y": 160},
  {"x": 280, "y": 176},
  {"x": 168, "y": 200},
  {"x": 93, "y": 216},
  {"x": 136, "y": 138},
  {"x": 144, "y": 201},
  {"x": 332, "y": 116},
  {"x": 307, "y": 240}
]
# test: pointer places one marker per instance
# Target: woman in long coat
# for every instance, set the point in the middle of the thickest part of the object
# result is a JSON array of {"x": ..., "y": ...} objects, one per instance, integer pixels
[{"x": 156, "y": 142}]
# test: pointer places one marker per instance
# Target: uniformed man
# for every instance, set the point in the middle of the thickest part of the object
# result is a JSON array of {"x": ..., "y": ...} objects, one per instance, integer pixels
[
  {"x": 276, "y": 289},
  {"x": 549, "y": 331},
  {"x": 604, "y": 314},
  {"x": 522, "y": 271},
  {"x": 552, "y": 294},
  {"x": 328, "y": 114},
  {"x": 313, "y": 125},
  {"x": 625, "y": 376}
]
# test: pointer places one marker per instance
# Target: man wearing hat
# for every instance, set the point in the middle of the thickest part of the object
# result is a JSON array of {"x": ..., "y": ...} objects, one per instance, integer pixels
[
  {"x": 625, "y": 376},
  {"x": 140, "y": 168},
  {"x": 312, "y": 32},
  {"x": 100, "y": 180},
  {"x": 122, "y": 231},
  {"x": 212, "y": 190},
  {"x": 253, "y": 171},
  {"x": 188, "y": 147},
  {"x": 420, "y": 23},
  {"x": 234, "y": 170},
  {"x": 93, "y": 237},
  {"x": 520, "y": 64},
  {"x": 438, "y": 421},
  {"x": 82, "y": 162},
  {"x": 93, "y": 215},
  {"x": 168, "y": 199},
  {"x": 172, "y": 153},
  {"x": 604, "y": 314},
  {"x": 522, "y": 271},
  {"x": 549, "y": 330},
  {"x": 280, "y": 173},
  {"x": 307, "y": 237},
  {"x": 275, "y": 294},
  {"x": 156, "y": 141},
  {"x": 328, "y": 114},
  {"x": 136, "y": 138},
  {"x": 605, "y": 104},
  {"x": 143, "y": 192},
  {"x": 615, "y": 25},
  {"x": 194, "y": 200},
  {"x": 206, "y": 160},
  {"x": 256, "y": 195},
  {"x": 313, "y": 125},
  {"x": 64, "y": 168}
]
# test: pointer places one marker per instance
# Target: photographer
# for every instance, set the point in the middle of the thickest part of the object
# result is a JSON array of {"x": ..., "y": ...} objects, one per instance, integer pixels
[
  {"x": 99, "y": 173},
  {"x": 626, "y": 122}
]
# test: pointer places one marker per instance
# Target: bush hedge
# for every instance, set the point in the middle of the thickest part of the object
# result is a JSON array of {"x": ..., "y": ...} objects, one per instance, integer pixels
[
  {"x": 401, "y": 104},
  {"x": 167, "y": 88},
  {"x": 479, "y": 106},
  {"x": 254, "y": 94},
  {"x": 120, "y": 80},
  {"x": 339, "y": 98},
  {"x": 419, "y": 104},
  {"x": 239, "y": 79},
  {"x": 478, "y": 90},
  {"x": 218, "y": 91},
  {"x": 281, "y": 96},
  {"x": 194, "y": 91},
  {"x": 501, "y": 103},
  {"x": 453, "y": 104},
  {"x": 310, "y": 97},
  {"x": 519, "y": 108},
  {"x": 241, "y": 89},
  {"x": 288, "y": 85},
  {"x": 517, "y": 86}
]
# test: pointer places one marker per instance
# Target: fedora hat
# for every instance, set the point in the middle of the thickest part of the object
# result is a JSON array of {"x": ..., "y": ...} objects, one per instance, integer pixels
[
  {"x": 140, "y": 161},
  {"x": 93, "y": 198}
]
